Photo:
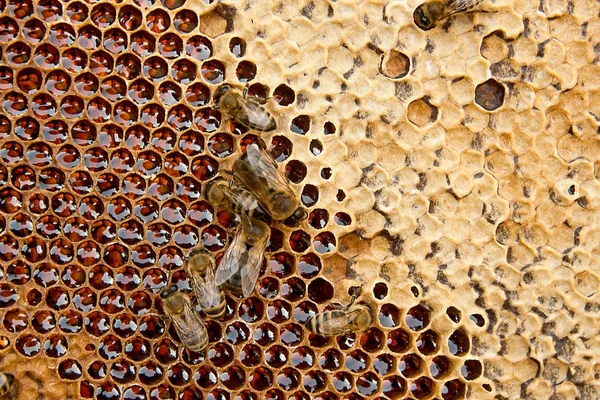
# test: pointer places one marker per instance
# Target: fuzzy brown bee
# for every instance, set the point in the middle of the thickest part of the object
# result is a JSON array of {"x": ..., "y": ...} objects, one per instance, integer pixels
[
  {"x": 246, "y": 110},
  {"x": 341, "y": 320},
  {"x": 200, "y": 269},
  {"x": 257, "y": 171},
  {"x": 431, "y": 13},
  {"x": 235, "y": 200},
  {"x": 245, "y": 255},
  {"x": 186, "y": 320}
]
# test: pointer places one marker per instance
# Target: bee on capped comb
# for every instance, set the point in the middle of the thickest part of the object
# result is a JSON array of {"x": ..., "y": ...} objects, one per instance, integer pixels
[
  {"x": 429, "y": 14},
  {"x": 246, "y": 110}
]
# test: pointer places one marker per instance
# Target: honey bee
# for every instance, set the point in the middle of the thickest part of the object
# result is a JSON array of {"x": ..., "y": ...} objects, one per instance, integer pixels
[
  {"x": 430, "y": 13},
  {"x": 341, "y": 320},
  {"x": 6, "y": 381},
  {"x": 235, "y": 200},
  {"x": 257, "y": 171},
  {"x": 187, "y": 321},
  {"x": 246, "y": 110},
  {"x": 244, "y": 255},
  {"x": 200, "y": 269}
]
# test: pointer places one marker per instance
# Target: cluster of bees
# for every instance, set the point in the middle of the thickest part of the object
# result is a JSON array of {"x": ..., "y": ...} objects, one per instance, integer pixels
[{"x": 257, "y": 193}]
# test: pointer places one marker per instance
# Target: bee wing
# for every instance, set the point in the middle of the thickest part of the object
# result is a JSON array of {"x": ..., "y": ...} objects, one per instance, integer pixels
[
  {"x": 207, "y": 290},
  {"x": 258, "y": 117},
  {"x": 265, "y": 166},
  {"x": 251, "y": 270},
  {"x": 338, "y": 324},
  {"x": 459, "y": 6},
  {"x": 230, "y": 263},
  {"x": 191, "y": 330}
]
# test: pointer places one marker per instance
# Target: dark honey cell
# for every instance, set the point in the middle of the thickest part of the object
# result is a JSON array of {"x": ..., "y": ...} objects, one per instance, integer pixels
[
  {"x": 314, "y": 381},
  {"x": 309, "y": 266},
  {"x": 213, "y": 72},
  {"x": 428, "y": 342},
  {"x": 179, "y": 374},
  {"x": 34, "y": 297},
  {"x": 293, "y": 289},
  {"x": 137, "y": 349},
  {"x": 418, "y": 317},
  {"x": 150, "y": 373},
  {"x": 331, "y": 360},
  {"x": 471, "y": 369},
  {"x": 342, "y": 219},
  {"x": 410, "y": 365},
  {"x": 206, "y": 377},
  {"x": 422, "y": 387},
  {"x": 324, "y": 243},
  {"x": 280, "y": 148},
  {"x": 97, "y": 323},
  {"x": 199, "y": 48},
  {"x": 15, "y": 321},
  {"x": 288, "y": 379},
  {"x": 245, "y": 71},
  {"x": 279, "y": 311},
  {"x": 57, "y": 298},
  {"x": 42, "y": 321},
  {"x": 459, "y": 343},
  {"x": 299, "y": 241},
  {"x": 86, "y": 389},
  {"x": 122, "y": 371},
  {"x": 233, "y": 377},
  {"x": 70, "y": 322},
  {"x": 372, "y": 340},
  {"x": 124, "y": 325},
  {"x": 237, "y": 47},
  {"x": 108, "y": 391},
  {"x": 320, "y": 290},
  {"x": 477, "y": 319},
  {"x": 304, "y": 311},
  {"x": 73, "y": 276},
  {"x": 55, "y": 346},
  {"x": 453, "y": 390},
  {"x": 158, "y": 21},
  {"x": 398, "y": 340},
  {"x": 490, "y": 94},
  {"x": 261, "y": 378},
  {"x": 142, "y": 256},
  {"x": 18, "y": 273},
  {"x": 165, "y": 351},
  {"x": 110, "y": 347},
  {"x": 326, "y": 173},
  {"x": 439, "y": 367},
  {"x": 97, "y": 370},
  {"x": 309, "y": 195},
  {"x": 146, "y": 210},
  {"x": 134, "y": 392},
  {"x": 368, "y": 384},
  {"x": 69, "y": 369},
  {"x": 38, "y": 203},
  {"x": 300, "y": 125},
  {"x": 295, "y": 171},
  {"x": 250, "y": 355},
  {"x": 357, "y": 361},
  {"x": 384, "y": 364},
  {"x": 185, "y": 21},
  {"x": 221, "y": 145},
  {"x": 291, "y": 334},
  {"x": 28, "y": 345},
  {"x": 346, "y": 341}
]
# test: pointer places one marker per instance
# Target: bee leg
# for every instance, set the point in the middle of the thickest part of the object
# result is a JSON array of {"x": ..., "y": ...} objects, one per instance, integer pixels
[{"x": 245, "y": 91}]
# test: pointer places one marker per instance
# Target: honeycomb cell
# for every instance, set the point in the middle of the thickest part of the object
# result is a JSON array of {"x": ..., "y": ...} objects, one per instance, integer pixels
[
  {"x": 490, "y": 94},
  {"x": 398, "y": 341},
  {"x": 418, "y": 317},
  {"x": 15, "y": 321},
  {"x": 28, "y": 345},
  {"x": 454, "y": 389},
  {"x": 421, "y": 112},
  {"x": 357, "y": 361},
  {"x": 394, "y": 65},
  {"x": 70, "y": 369},
  {"x": 459, "y": 343}
]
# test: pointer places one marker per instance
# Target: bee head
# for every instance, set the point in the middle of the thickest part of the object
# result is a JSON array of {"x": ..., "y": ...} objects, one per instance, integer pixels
[
  {"x": 167, "y": 291},
  {"x": 424, "y": 16},
  {"x": 219, "y": 93},
  {"x": 296, "y": 218}
]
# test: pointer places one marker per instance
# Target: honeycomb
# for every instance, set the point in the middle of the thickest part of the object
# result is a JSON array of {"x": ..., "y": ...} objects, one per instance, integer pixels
[{"x": 452, "y": 175}]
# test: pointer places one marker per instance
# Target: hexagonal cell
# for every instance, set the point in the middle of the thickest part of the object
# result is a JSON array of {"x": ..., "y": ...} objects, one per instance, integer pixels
[
  {"x": 394, "y": 65},
  {"x": 587, "y": 283},
  {"x": 421, "y": 113},
  {"x": 490, "y": 94},
  {"x": 217, "y": 21}
]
